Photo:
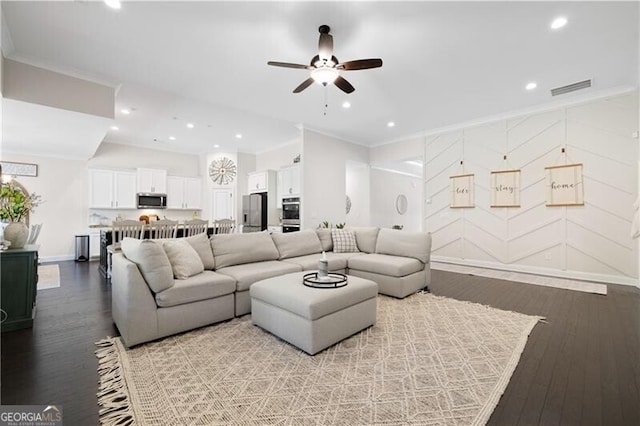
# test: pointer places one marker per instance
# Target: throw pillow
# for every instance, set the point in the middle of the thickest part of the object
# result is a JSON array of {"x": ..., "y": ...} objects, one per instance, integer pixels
[
  {"x": 344, "y": 241},
  {"x": 152, "y": 262},
  {"x": 202, "y": 246},
  {"x": 184, "y": 260}
]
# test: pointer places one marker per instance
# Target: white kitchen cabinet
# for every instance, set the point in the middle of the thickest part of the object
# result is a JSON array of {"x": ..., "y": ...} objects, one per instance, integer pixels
[
  {"x": 288, "y": 183},
  {"x": 152, "y": 181},
  {"x": 184, "y": 193},
  {"x": 261, "y": 181},
  {"x": 110, "y": 189}
]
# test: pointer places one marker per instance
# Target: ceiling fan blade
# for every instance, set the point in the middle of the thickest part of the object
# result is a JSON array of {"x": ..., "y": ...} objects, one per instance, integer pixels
[
  {"x": 325, "y": 46},
  {"x": 288, "y": 65},
  {"x": 308, "y": 82},
  {"x": 343, "y": 85},
  {"x": 360, "y": 64}
]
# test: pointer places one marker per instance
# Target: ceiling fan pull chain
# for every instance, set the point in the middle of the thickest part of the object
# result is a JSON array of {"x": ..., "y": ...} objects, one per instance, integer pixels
[{"x": 326, "y": 101}]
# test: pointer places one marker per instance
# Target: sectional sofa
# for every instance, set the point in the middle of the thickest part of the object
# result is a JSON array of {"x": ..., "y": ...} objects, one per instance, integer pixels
[{"x": 163, "y": 287}]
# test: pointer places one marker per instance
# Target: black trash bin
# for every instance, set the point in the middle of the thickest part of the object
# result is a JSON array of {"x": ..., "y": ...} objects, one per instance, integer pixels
[{"x": 82, "y": 248}]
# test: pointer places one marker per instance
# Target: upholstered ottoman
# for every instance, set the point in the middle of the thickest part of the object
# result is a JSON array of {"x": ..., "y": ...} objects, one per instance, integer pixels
[{"x": 312, "y": 318}]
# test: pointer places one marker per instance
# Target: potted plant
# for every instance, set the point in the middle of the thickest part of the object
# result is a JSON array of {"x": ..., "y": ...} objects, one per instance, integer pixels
[{"x": 15, "y": 205}]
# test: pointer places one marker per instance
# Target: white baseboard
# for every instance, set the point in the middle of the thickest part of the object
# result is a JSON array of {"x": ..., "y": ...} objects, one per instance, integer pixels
[
  {"x": 548, "y": 272},
  {"x": 58, "y": 258}
]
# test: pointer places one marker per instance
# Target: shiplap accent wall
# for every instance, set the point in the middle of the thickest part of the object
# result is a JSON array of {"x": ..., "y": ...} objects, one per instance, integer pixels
[{"x": 590, "y": 242}]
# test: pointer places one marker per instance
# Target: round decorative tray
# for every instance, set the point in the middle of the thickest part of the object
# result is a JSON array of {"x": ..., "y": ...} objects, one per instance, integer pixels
[{"x": 332, "y": 280}]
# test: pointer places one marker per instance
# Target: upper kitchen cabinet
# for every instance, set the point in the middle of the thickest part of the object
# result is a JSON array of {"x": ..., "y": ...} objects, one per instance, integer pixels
[
  {"x": 110, "y": 189},
  {"x": 289, "y": 181},
  {"x": 262, "y": 181},
  {"x": 152, "y": 181},
  {"x": 184, "y": 193}
]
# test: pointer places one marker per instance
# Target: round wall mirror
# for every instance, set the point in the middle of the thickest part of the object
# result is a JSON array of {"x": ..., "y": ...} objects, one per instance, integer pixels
[{"x": 401, "y": 204}]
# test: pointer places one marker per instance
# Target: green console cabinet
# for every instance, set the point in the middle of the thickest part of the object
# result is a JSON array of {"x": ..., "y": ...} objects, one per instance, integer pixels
[{"x": 18, "y": 280}]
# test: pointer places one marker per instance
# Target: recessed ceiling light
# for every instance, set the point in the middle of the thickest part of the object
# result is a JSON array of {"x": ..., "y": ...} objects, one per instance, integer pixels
[
  {"x": 125, "y": 111},
  {"x": 172, "y": 138},
  {"x": 113, "y": 4},
  {"x": 238, "y": 135},
  {"x": 216, "y": 146},
  {"x": 531, "y": 86},
  {"x": 346, "y": 104},
  {"x": 391, "y": 124},
  {"x": 115, "y": 128},
  {"x": 559, "y": 22},
  {"x": 190, "y": 125}
]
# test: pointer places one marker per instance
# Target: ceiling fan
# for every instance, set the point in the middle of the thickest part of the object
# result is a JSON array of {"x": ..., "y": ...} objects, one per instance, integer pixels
[{"x": 325, "y": 68}]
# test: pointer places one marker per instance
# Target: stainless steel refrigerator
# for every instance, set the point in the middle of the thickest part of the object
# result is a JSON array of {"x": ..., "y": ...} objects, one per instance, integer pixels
[{"x": 254, "y": 212}]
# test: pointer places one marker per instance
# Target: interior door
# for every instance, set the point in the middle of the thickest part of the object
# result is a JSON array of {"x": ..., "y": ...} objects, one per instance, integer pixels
[{"x": 221, "y": 204}]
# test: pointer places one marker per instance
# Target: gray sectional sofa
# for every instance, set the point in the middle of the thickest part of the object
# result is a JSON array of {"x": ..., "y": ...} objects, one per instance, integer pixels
[{"x": 164, "y": 287}]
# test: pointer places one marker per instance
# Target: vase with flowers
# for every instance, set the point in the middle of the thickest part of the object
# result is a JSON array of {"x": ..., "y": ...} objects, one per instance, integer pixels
[{"x": 15, "y": 205}]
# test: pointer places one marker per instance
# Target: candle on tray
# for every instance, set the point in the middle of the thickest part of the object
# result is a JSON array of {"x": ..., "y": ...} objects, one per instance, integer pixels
[{"x": 323, "y": 266}]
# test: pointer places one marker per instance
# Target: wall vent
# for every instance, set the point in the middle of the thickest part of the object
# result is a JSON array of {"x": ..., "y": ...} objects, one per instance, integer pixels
[{"x": 571, "y": 88}]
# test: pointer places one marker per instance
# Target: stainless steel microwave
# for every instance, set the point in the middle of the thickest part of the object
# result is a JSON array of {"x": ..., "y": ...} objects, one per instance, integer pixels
[{"x": 152, "y": 201}]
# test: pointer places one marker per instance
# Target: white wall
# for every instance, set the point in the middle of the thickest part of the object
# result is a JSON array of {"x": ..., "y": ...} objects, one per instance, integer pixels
[
  {"x": 357, "y": 184},
  {"x": 323, "y": 177},
  {"x": 111, "y": 155},
  {"x": 387, "y": 186},
  {"x": 591, "y": 241},
  {"x": 276, "y": 158},
  {"x": 63, "y": 185}
]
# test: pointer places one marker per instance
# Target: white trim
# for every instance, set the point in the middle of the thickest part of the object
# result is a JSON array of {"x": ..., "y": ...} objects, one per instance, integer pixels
[
  {"x": 331, "y": 135},
  {"x": 557, "y": 273},
  {"x": 57, "y": 258}
]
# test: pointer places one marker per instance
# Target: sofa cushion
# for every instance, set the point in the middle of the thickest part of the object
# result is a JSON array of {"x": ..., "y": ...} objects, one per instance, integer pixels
[
  {"x": 152, "y": 262},
  {"x": 184, "y": 260},
  {"x": 344, "y": 241},
  {"x": 247, "y": 274},
  {"x": 294, "y": 244},
  {"x": 238, "y": 249},
  {"x": 401, "y": 243},
  {"x": 393, "y": 266},
  {"x": 202, "y": 246},
  {"x": 366, "y": 238},
  {"x": 324, "y": 234},
  {"x": 205, "y": 285},
  {"x": 335, "y": 261}
]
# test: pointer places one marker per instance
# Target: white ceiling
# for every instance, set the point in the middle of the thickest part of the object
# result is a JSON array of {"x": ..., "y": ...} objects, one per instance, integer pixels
[{"x": 205, "y": 62}]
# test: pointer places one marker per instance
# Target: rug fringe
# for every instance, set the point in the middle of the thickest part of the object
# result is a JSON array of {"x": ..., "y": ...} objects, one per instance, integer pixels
[{"x": 113, "y": 396}]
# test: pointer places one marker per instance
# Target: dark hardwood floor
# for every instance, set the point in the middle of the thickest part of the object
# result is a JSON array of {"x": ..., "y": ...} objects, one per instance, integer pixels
[{"x": 582, "y": 367}]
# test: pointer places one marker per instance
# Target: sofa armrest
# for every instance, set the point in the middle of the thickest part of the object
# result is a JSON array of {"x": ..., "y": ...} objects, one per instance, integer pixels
[{"x": 133, "y": 305}]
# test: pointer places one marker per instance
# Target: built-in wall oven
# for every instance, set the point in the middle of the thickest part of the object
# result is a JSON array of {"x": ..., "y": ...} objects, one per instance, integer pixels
[{"x": 290, "y": 214}]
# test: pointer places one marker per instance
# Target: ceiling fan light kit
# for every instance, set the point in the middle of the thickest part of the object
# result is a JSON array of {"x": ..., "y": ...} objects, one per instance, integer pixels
[
  {"x": 325, "y": 68},
  {"x": 324, "y": 75}
]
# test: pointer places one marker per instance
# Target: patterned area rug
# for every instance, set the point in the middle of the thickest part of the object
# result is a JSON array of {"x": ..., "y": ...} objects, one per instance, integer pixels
[{"x": 427, "y": 360}]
